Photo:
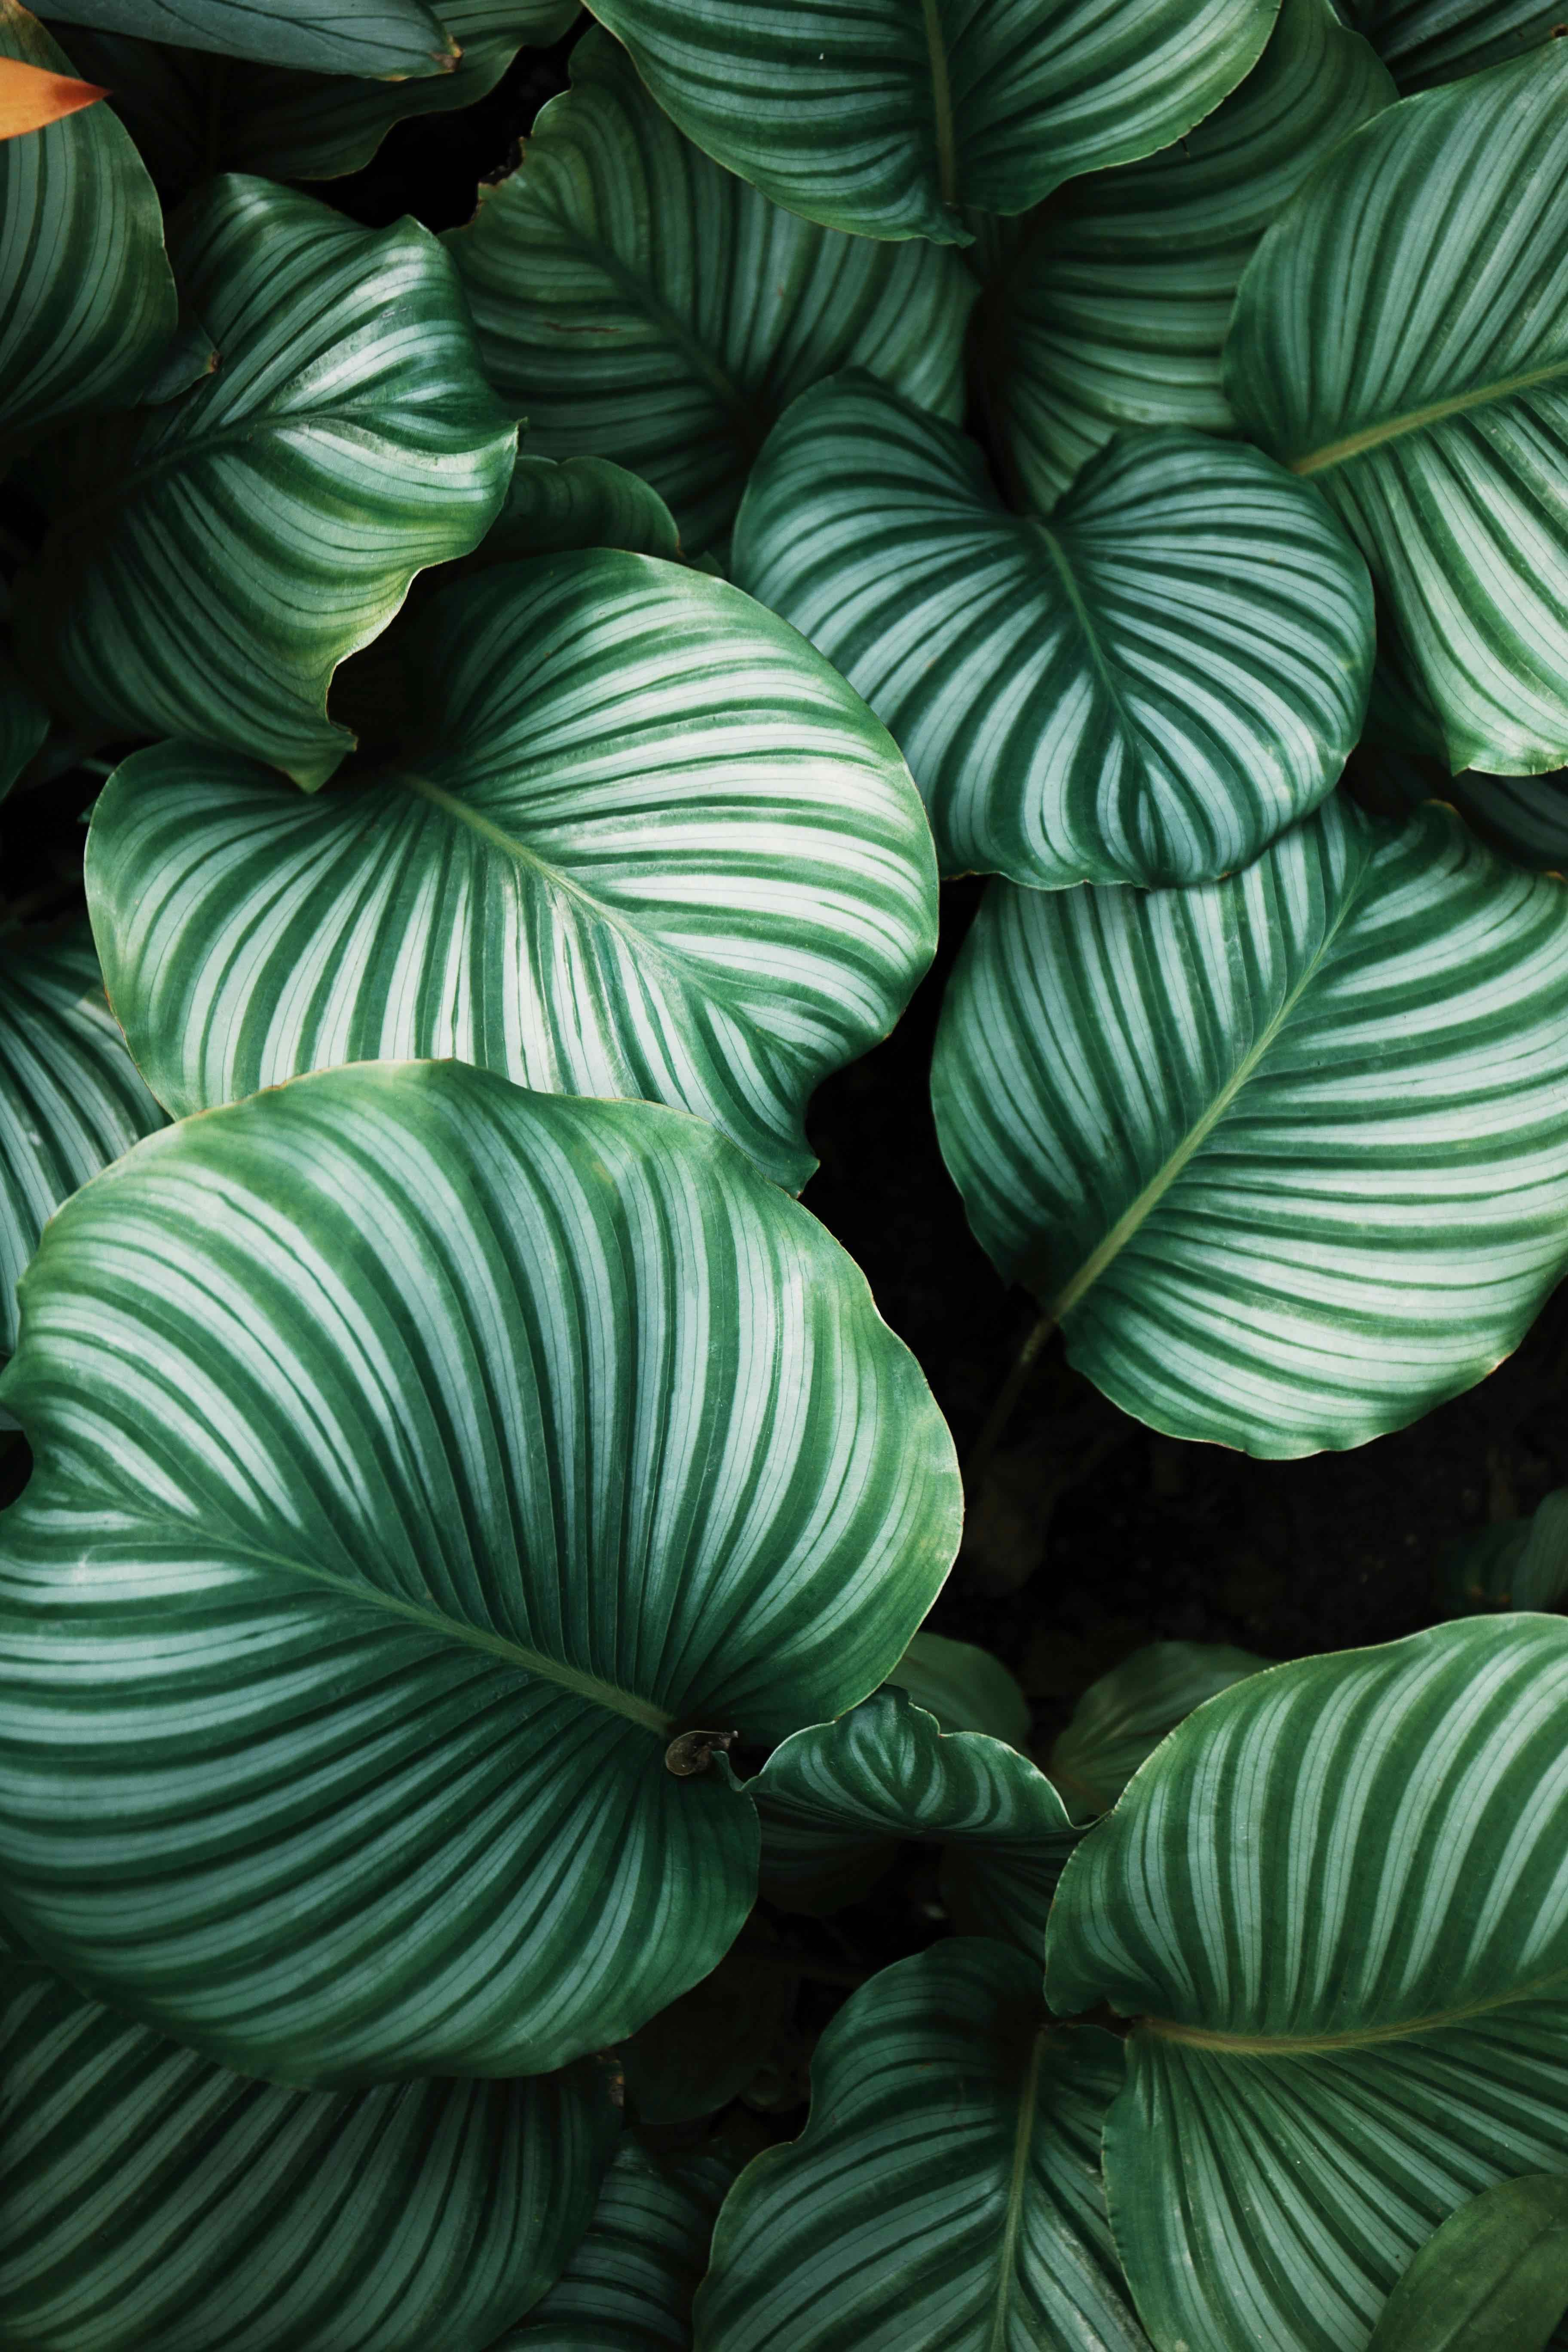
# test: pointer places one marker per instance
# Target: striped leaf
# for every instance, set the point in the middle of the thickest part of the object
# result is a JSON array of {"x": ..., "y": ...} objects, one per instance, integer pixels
[
  {"x": 1494, "y": 2278},
  {"x": 836, "y": 1802},
  {"x": 1112, "y": 309},
  {"x": 946, "y": 2190},
  {"x": 86, "y": 296},
  {"x": 395, "y": 38},
  {"x": 1336, "y": 1905},
  {"x": 638, "y": 304},
  {"x": 965, "y": 1687},
  {"x": 883, "y": 118},
  {"x": 213, "y": 559},
  {"x": 1121, "y": 1719},
  {"x": 190, "y": 115},
  {"x": 71, "y": 1100},
  {"x": 419, "y": 1461},
  {"x": 1147, "y": 689},
  {"x": 629, "y": 2285},
  {"x": 150, "y": 2202},
  {"x": 1400, "y": 341},
  {"x": 24, "y": 724},
  {"x": 1427, "y": 41},
  {"x": 650, "y": 846},
  {"x": 553, "y": 506},
  {"x": 1524, "y": 818},
  {"x": 1284, "y": 1157},
  {"x": 1515, "y": 1564}
]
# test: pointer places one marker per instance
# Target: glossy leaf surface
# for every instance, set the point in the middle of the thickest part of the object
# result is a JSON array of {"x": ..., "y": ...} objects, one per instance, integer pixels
[
  {"x": 1147, "y": 689},
  {"x": 963, "y": 1686},
  {"x": 1401, "y": 340},
  {"x": 1284, "y": 1156},
  {"x": 1113, "y": 308},
  {"x": 1336, "y": 1903},
  {"x": 648, "y": 844},
  {"x": 636, "y": 302},
  {"x": 946, "y": 2190},
  {"x": 1121, "y": 1719},
  {"x": 629, "y": 2285},
  {"x": 414, "y": 1457},
  {"x": 836, "y": 1800},
  {"x": 1494, "y": 2278},
  {"x": 71, "y": 1100},
  {"x": 1427, "y": 41},
  {"x": 216, "y": 557},
  {"x": 399, "y": 37},
  {"x": 882, "y": 118},
  {"x": 86, "y": 294},
  {"x": 150, "y": 2202}
]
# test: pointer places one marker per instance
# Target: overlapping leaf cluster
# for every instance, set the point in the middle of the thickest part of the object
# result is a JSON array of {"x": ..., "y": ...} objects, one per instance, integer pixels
[{"x": 470, "y": 1583}]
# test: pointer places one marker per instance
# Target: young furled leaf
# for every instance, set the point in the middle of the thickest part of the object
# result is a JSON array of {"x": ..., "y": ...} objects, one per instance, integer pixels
[
  {"x": 428, "y": 1476},
  {"x": 1285, "y": 1157},
  {"x": 1146, "y": 689},
  {"x": 883, "y": 118},
  {"x": 642, "y": 842},
  {"x": 636, "y": 302},
  {"x": 1335, "y": 1903}
]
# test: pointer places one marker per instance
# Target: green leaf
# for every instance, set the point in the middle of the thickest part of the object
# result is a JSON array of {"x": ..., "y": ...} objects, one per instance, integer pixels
[
  {"x": 1426, "y": 41},
  {"x": 1147, "y": 689},
  {"x": 702, "y": 2050},
  {"x": 150, "y": 2200},
  {"x": 629, "y": 2285},
  {"x": 946, "y": 2190},
  {"x": 648, "y": 844},
  {"x": 1336, "y": 1903},
  {"x": 214, "y": 558},
  {"x": 395, "y": 37},
  {"x": 1517, "y": 1564},
  {"x": 639, "y": 303},
  {"x": 1523, "y": 818},
  {"x": 417, "y": 1459},
  {"x": 882, "y": 118},
  {"x": 1113, "y": 308},
  {"x": 1494, "y": 2278},
  {"x": 1285, "y": 1156},
  {"x": 553, "y": 507},
  {"x": 191, "y": 114},
  {"x": 1401, "y": 340},
  {"x": 836, "y": 1800},
  {"x": 71, "y": 1100},
  {"x": 24, "y": 724},
  {"x": 965, "y": 1687},
  {"x": 1121, "y": 1719},
  {"x": 86, "y": 299}
]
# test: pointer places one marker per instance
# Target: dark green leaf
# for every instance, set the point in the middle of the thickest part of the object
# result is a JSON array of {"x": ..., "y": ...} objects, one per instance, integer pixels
[
  {"x": 965, "y": 1689},
  {"x": 1426, "y": 41},
  {"x": 395, "y": 37},
  {"x": 701, "y": 2051},
  {"x": 1121, "y": 1719},
  {"x": 581, "y": 502},
  {"x": 1519, "y": 1564},
  {"x": 629, "y": 2285},
  {"x": 1494, "y": 2278},
  {"x": 415, "y": 1458},
  {"x": 24, "y": 723}
]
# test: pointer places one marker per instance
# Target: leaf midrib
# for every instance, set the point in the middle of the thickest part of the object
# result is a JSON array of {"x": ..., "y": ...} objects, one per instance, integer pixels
[
  {"x": 941, "y": 102},
  {"x": 1361, "y": 2037},
  {"x": 1137, "y": 1214},
  {"x": 1414, "y": 420},
  {"x": 1017, "y": 2181}
]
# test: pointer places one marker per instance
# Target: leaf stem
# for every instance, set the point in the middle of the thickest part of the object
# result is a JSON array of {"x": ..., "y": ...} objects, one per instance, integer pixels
[{"x": 1007, "y": 1396}]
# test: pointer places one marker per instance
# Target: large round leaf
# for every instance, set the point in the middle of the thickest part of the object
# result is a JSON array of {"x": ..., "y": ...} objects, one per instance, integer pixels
[
  {"x": 150, "y": 2202},
  {"x": 86, "y": 294},
  {"x": 1426, "y": 41},
  {"x": 946, "y": 2190},
  {"x": 71, "y": 1100},
  {"x": 639, "y": 303},
  {"x": 395, "y": 38},
  {"x": 1285, "y": 1157},
  {"x": 650, "y": 844},
  {"x": 1336, "y": 1903},
  {"x": 836, "y": 1801},
  {"x": 1400, "y": 339},
  {"x": 1113, "y": 307},
  {"x": 629, "y": 2285},
  {"x": 214, "y": 559},
  {"x": 417, "y": 1459},
  {"x": 1147, "y": 689},
  {"x": 883, "y": 118}
]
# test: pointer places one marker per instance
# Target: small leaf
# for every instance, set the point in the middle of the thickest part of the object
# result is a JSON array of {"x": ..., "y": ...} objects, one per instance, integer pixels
[
  {"x": 1121, "y": 1719},
  {"x": 947, "y": 2184},
  {"x": 638, "y": 304},
  {"x": 1284, "y": 1156},
  {"x": 551, "y": 508},
  {"x": 965, "y": 1687},
  {"x": 24, "y": 725},
  {"x": 151, "y": 2201},
  {"x": 1494, "y": 2278},
  {"x": 414, "y": 1457},
  {"x": 701, "y": 2051},
  {"x": 1521, "y": 1564}
]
